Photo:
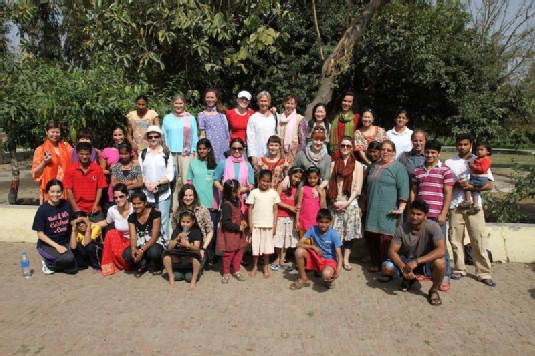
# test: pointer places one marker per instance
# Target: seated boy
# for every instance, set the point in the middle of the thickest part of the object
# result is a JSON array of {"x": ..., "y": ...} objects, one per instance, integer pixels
[
  {"x": 86, "y": 242},
  {"x": 418, "y": 247},
  {"x": 319, "y": 250}
]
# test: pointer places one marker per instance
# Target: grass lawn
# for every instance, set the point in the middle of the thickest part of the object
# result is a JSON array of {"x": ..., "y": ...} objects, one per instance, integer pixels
[{"x": 500, "y": 159}]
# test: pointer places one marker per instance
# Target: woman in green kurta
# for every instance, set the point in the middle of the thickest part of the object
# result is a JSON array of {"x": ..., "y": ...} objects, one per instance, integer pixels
[{"x": 388, "y": 193}]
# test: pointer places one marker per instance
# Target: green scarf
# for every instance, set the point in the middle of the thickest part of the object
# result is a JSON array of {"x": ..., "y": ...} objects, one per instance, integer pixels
[{"x": 343, "y": 125}]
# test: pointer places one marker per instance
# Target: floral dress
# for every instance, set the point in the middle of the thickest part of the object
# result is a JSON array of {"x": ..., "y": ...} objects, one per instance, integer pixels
[{"x": 278, "y": 169}]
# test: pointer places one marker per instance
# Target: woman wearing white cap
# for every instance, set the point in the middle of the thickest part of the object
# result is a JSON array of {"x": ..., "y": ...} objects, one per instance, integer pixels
[
  {"x": 158, "y": 172},
  {"x": 260, "y": 127},
  {"x": 239, "y": 116},
  {"x": 180, "y": 131}
]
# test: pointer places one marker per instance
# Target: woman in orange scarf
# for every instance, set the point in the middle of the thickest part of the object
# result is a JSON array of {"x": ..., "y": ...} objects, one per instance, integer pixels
[{"x": 51, "y": 160}]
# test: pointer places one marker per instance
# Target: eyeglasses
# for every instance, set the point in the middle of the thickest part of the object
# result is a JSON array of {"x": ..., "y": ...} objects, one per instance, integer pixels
[
  {"x": 343, "y": 145},
  {"x": 153, "y": 137},
  {"x": 239, "y": 149},
  {"x": 387, "y": 150},
  {"x": 119, "y": 197}
]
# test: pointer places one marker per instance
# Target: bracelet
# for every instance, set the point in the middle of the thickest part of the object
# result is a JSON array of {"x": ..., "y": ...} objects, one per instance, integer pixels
[{"x": 142, "y": 251}]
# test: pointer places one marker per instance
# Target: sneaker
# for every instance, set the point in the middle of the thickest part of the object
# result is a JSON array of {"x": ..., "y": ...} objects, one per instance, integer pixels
[
  {"x": 286, "y": 268},
  {"x": 45, "y": 268},
  {"x": 274, "y": 267},
  {"x": 465, "y": 205}
]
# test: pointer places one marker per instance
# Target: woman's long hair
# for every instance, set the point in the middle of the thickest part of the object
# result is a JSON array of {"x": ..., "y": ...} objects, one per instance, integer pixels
[{"x": 210, "y": 158}]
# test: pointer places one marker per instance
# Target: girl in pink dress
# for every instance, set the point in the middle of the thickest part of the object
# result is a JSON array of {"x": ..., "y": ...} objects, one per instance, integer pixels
[{"x": 310, "y": 199}]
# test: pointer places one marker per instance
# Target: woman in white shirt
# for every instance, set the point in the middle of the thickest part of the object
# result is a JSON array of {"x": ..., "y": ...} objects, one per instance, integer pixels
[
  {"x": 118, "y": 238},
  {"x": 158, "y": 173},
  {"x": 262, "y": 124}
]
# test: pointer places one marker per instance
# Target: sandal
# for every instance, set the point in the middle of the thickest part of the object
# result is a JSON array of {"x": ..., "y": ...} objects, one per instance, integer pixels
[
  {"x": 444, "y": 287},
  {"x": 374, "y": 269},
  {"x": 300, "y": 284},
  {"x": 347, "y": 267},
  {"x": 434, "y": 301},
  {"x": 406, "y": 284},
  {"x": 456, "y": 276},
  {"x": 422, "y": 278},
  {"x": 239, "y": 277},
  {"x": 488, "y": 282},
  {"x": 141, "y": 270},
  {"x": 385, "y": 279},
  {"x": 329, "y": 285},
  {"x": 225, "y": 279}
]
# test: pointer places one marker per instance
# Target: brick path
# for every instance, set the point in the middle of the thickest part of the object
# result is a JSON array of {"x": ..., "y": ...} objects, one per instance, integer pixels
[{"x": 88, "y": 314}]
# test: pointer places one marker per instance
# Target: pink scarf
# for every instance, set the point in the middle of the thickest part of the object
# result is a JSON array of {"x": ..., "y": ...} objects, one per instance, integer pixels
[
  {"x": 229, "y": 173},
  {"x": 291, "y": 128},
  {"x": 186, "y": 148}
]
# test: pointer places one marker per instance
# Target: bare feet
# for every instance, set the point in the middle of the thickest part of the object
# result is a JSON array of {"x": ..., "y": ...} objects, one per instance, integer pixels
[
  {"x": 192, "y": 286},
  {"x": 266, "y": 272},
  {"x": 253, "y": 272},
  {"x": 172, "y": 282}
]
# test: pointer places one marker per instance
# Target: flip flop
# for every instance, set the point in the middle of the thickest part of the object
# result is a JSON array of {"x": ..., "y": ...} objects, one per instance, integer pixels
[
  {"x": 300, "y": 284},
  {"x": 488, "y": 282},
  {"x": 374, "y": 269},
  {"x": 456, "y": 276},
  {"x": 444, "y": 287},
  {"x": 348, "y": 267}
]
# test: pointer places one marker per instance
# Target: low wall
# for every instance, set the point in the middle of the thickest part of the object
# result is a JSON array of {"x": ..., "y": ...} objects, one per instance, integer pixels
[{"x": 508, "y": 242}]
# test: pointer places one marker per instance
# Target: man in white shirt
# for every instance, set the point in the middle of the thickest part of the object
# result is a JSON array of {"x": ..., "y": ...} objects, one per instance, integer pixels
[
  {"x": 401, "y": 134},
  {"x": 460, "y": 218}
]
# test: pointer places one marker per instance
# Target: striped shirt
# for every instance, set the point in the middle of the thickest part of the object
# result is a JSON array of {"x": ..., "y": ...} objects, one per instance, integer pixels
[{"x": 431, "y": 186}]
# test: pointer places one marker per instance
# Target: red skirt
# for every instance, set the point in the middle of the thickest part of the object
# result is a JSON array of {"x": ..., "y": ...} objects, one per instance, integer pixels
[{"x": 112, "y": 255}]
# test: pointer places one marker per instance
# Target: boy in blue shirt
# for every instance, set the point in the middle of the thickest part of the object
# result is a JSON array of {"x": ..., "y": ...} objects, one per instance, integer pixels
[{"x": 319, "y": 250}]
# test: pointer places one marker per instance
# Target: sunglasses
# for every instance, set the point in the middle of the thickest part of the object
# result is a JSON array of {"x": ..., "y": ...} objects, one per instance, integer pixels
[
  {"x": 153, "y": 137},
  {"x": 239, "y": 149},
  {"x": 343, "y": 145},
  {"x": 119, "y": 197}
]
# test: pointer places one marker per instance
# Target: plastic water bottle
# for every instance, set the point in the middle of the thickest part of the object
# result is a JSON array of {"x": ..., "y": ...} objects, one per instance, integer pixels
[{"x": 25, "y": 266}]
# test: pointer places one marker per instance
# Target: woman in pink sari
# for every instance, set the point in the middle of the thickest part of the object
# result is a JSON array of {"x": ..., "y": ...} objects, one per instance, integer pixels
[{"x": 118, "y": 238}]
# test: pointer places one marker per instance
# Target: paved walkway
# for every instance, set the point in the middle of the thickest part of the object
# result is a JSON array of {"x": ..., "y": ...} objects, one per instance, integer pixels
[{"x": 88, "y": 314}]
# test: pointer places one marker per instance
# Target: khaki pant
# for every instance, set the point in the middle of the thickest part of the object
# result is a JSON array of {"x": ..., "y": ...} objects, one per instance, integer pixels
[
  {"x": 182, "y": 164},
  {"x": 459, "y": 219}
]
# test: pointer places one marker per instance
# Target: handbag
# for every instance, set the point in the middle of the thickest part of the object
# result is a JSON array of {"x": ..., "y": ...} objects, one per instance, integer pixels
[{"x": 162, "y": 188}]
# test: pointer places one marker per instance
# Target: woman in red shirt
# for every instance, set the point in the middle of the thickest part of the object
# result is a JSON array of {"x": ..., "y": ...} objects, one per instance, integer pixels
[{"x": 239, "y": 116}]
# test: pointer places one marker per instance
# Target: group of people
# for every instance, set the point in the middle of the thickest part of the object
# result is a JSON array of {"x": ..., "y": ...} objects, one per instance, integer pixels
[{"x": 176, "y": 192}]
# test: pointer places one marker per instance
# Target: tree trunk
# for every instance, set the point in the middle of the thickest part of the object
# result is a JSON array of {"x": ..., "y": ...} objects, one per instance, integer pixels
[
  {"x": 15, "y": 175},
  {"x": 340, "y": 58},
  {"x": 2, "y": 148}
]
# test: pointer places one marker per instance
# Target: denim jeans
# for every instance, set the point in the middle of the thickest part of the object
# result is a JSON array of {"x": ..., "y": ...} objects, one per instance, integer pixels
[
  {"x": 163, "y": 206},
  {"x": 447, "y": 255}
]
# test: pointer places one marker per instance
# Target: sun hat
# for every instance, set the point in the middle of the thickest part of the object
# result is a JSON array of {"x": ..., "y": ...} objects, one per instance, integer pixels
[
  {"x": 154, "y": 128},
  {"x": 244, "y": 94}
]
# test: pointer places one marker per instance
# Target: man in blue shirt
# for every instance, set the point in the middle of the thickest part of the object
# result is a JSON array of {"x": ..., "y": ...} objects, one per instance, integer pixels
[{"x": 319, "y": 250}]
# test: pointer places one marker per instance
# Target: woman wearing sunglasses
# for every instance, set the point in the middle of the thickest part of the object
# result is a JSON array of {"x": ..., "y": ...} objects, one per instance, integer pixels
[
  {"x": 118, "y": 238},
  {"x": 157, "y": 170},
  {"x": 236, "y": 167}
]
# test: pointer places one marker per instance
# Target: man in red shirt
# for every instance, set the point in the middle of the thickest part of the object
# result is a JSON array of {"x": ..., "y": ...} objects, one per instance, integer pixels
[{"x": 84, "y": 182}]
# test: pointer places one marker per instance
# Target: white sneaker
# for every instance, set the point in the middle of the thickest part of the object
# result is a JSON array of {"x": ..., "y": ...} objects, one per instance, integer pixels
[{"x": 45, "y": 268}]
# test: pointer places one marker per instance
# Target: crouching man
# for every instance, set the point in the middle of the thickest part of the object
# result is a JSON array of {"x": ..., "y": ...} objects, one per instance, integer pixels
[{"x": 418, "y": 247}]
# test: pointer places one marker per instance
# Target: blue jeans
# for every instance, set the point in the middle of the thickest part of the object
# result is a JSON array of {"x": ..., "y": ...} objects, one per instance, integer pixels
[
  {"x": 447, "y": 255},
  {"x": 163, "y": 206},
  {"x": 477, "y": 181}
]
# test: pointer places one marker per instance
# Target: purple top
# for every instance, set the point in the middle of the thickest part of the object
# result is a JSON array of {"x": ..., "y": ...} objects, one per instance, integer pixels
[{"x": 216, "y": 128}]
